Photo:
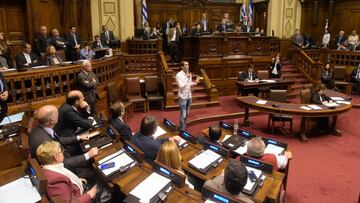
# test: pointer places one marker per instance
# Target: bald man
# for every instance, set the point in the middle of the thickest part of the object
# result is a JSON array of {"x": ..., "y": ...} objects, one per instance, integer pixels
[
  {"x": 73, "y": 114},
  {"x": 47, "y": 117},
  {"x": 87, "y": 83},
  {"x": 41, "y": 41}
]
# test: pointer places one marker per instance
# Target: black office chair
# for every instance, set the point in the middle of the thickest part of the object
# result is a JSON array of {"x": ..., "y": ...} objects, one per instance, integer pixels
[{"x": 279, "y": 96}]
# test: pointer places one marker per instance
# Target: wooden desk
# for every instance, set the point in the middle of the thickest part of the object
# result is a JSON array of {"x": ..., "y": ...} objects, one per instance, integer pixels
[
  {"x": 294, "y": 109},
  {"x": 242, "y": 85}
]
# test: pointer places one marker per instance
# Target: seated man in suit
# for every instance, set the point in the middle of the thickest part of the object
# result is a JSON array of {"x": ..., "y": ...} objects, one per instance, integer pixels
[
  {"x": 341, "y": 41},
  {"x": 249, "y": 76},
  {"x": 232, "y": 181},
  {"x": 52, "y": 59},
  {"x": 144, "y": 140},
  {"x": 117, "y": 113},
  {"x": 319, "y": 97},
  {"x": 214, "y": 136},
  {"x": 88, "y": 82},
  {"x": 72, "y": 41},
  {"x": 47, "y": 117},
  {"x": 98, "y": 44},
  {"x": 73, "y": 115},
  {"x": 222, "y": 26},
  {"x": 61, "y": 182},
  {"x": 256, "y": 148},
  {"x": 26, "y": 58},
  {"x": 355, "y": 77},
  {"x": 197, "y": 31}
]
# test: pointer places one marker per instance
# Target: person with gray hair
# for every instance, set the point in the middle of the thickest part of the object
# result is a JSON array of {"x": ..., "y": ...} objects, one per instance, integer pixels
[
  {"x": 256, "y": 148},
  {"x": 87, "y": 83}
]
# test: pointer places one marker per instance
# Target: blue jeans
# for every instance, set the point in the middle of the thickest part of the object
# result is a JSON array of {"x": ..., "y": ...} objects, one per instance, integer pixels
[{"x": 184, "y": 105}]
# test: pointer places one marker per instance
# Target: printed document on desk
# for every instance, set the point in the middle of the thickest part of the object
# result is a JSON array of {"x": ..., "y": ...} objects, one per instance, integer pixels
[
  {"x": 269, "y": 81},
  {"x": 242, "y": 149},
  {"x": 20, "y": 190},
  {"x": 315, "y": 107},
  {"x": 273, "y": 149},
  {"x": 261, "y": 101},
  {"x": 120, "y": 158},
  {"x": 159, "y": 131},
  {"x": 332, "y": 104},
  {"x": 150, "y": 187},
  {"x": 337, "y": 98},
  {"x": 204, "y": 159},
  {"x": 343, "y": 102}
]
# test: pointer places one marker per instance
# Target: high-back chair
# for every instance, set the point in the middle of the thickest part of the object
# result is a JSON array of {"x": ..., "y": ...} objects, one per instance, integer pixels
[
  {"x": 114, "y": 94},
  {"x": 279, "y": 96},
  {"x": 152, "y": 90},
  {"x": 134, "y": 92},
  {"x": 263, "y": 75}
]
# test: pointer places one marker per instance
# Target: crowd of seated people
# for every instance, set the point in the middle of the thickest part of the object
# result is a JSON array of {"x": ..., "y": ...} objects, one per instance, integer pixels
[{"x": 341, "y": 41}]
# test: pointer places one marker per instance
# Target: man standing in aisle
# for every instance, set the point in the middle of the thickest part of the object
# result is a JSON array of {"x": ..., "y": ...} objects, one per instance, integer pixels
[{"x": 184, "y": 81}]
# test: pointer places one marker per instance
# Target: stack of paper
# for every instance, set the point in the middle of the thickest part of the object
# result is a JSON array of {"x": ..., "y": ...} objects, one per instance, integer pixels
[
  {"x": 159, "y": 131},
  {"x": 315, "y": 107},
  {"x": 150, "y": 187},
  {"x": 204, "y": 159},
  {"x": 120, "y": 159},
  {"x": 269, "y": 81},
  {"x": 261, "y": 101},
  {"x": 242, "y": 149},
  {"x": 20, "y": 190},
  {"x": 305, "y": 108},
  {"x": 337, "y": 98},
  {"x": 343, "y": 102},
  {"x": 332, "y": 104},
  {"x": 273, "y": 149}
]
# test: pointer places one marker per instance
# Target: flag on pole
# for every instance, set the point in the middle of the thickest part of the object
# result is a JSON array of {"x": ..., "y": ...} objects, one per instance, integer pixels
[
  {"x": 251, "y": 16},
  {"x": 243, "y": 12},
  {"x": 144, "y": 12}
]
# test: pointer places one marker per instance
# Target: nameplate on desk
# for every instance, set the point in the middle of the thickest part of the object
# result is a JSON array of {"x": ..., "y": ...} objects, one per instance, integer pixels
[
  {"x": 159, "y": 131},
  {"x": 205, "y": 160},
  {"x": 254, "y": 163},
  {"x": 225, "y": 125},
  {"x": 213, "y": 196},
  {"x": 274, "y": 142},
  {"x": 155, "y": 185},
  {"x": 117, "y": 162},
  {"x": 187, "y": 136},
  {"x": 169, "y": 125}
]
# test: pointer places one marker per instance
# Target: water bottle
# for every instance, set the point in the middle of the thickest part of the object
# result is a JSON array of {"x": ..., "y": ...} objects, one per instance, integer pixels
[{"x": 236, "y": 127}]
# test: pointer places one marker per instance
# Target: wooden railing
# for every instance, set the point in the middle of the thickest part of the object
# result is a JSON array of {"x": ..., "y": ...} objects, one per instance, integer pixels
[
  {"x": 139, "y": 46},
  {"x": 307, "y": 66},
  {"x": 212, "y": 91},
  {"x": 167, "y": 80},
  {"x": 335, "y": 57},
  {"x": 143, "y": 64},
  {"x": 50, "y": 82}
]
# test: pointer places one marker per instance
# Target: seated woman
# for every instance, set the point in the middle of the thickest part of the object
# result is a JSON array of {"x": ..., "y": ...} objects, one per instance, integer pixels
[
  {"x": 52, "y": 58},
  {"x": 61, "y": 182},
  {"x": 117, "y": 113},
  {"x": 327, "y": 77},
  {"x": 86, "y": 53},
  {"x": 256, "y": 148},
  {"x": 170, "y": 156}
]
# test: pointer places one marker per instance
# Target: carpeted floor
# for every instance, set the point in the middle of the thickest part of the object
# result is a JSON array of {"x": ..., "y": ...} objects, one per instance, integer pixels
[{"x": 324, "y": 170}]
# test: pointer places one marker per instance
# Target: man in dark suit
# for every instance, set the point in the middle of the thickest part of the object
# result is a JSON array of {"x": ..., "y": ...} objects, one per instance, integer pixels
[
  {"x": 174, "y": 35},
  {"x": 249, "y": 76},
  {"x": 355, "y": 77},
  {"x": 26, "y": 58},
  {"x": 72, "y": 41},
  {"x": 56, "y": 40},
  {"x": 222, "y": 26},
  {"x": 204, "y": 23},
  {"x": 144, "y": 140},
  {"x": 88, "y": 82},
  {"x": 74, "y": 114},
  {"x": 3, "y": 97},
  {"x": 319, "y": 97},
  {"x": 106, "y": 35},
  {"x": 214, "y": 136},
  {"x": 41, "y": 41},
  {"x": 47, "y": 117},
  {"x": 341, "y": 41},
  {"x": 297, "y": 40},
  {"x": 117, "y": 120},
  {"x": 99, "y": 44}
]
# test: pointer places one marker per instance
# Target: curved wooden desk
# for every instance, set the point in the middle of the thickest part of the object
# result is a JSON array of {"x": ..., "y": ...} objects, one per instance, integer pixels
[{"x": 296, "y": 110}]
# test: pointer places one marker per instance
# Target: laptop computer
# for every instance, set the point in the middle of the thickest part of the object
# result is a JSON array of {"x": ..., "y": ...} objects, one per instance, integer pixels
[{"x": 100, "y": 53}]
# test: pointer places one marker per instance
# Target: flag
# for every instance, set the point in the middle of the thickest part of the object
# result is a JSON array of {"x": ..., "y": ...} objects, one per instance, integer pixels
[
  {"x": 144, "y": 12},
  {"x": 327, "y": 24},
  {"x": 243, "y": 12},
  {"x": 251, "y": 16}
]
